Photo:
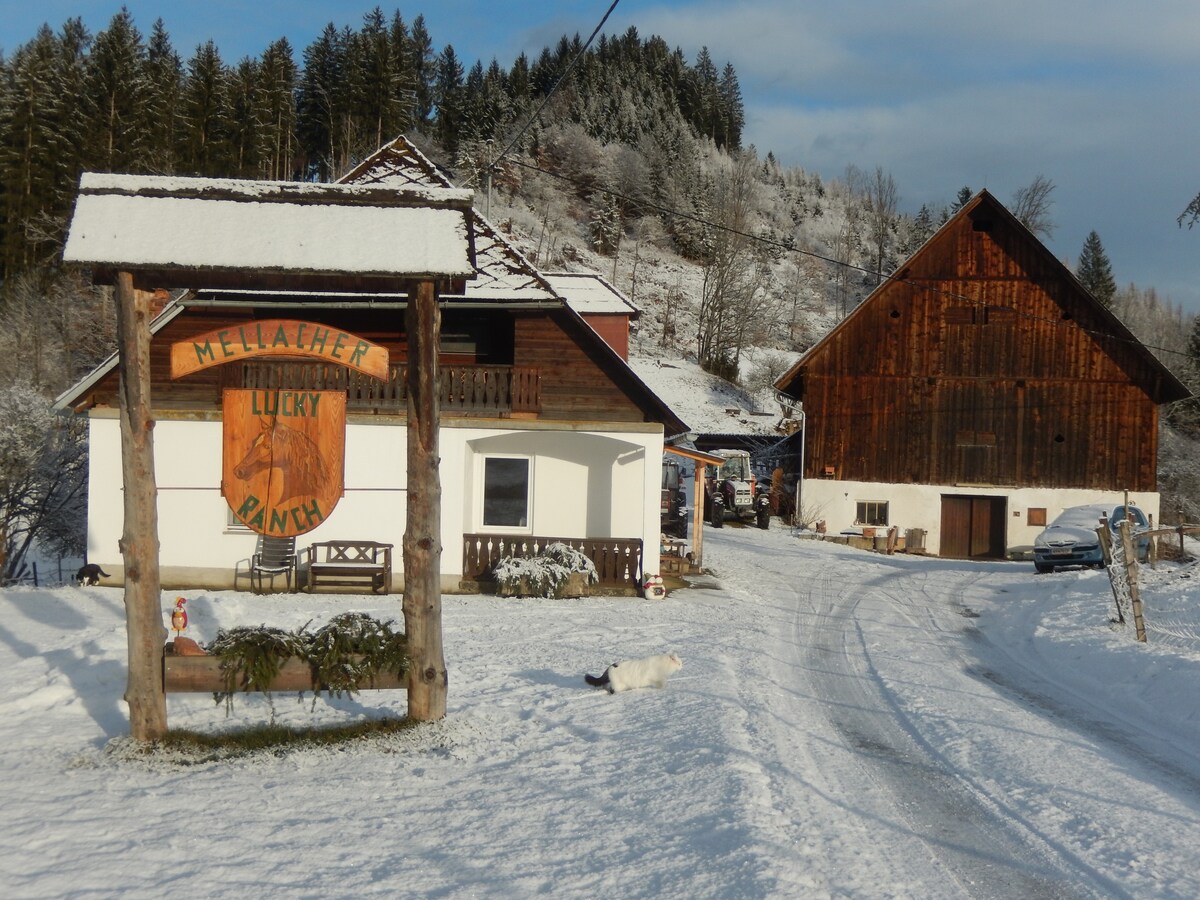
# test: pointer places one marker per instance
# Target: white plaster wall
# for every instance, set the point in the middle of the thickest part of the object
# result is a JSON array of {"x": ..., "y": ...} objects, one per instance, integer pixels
[
  {"x": 585, "y": 484},
  {"x": 920, "y": 506}
]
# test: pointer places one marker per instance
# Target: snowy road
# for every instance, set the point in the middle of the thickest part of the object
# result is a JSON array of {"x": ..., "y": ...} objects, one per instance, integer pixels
[
  {"x": 976, "y": 772},
  {"x": 846, "y": 724}
]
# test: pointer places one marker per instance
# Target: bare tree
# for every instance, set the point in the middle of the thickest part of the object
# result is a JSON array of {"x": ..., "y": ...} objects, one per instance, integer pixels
[
  {"x": 1031, "y": 205},
  {"x": 881, "y": 212},
  {"x": 43, "y": 478}
]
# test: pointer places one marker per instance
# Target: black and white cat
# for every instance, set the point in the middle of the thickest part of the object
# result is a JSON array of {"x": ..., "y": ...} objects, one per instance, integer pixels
[
  {"x": 628, "y": 674},
  {"x": 89, "y": 574}
]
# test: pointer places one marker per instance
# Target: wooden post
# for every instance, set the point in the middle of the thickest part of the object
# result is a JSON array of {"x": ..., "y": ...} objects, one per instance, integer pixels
[
  {"x": 423, "y": 530},
  {"x": 698, "y": 514},
  {"x": 1105, "y": 537},
  {"x": 147, "y": 635},
  {"x": 1135, "y": 597}
]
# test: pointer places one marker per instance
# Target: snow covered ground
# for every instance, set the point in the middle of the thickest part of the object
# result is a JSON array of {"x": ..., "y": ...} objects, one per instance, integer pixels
[{"x": 846, "y": 724}]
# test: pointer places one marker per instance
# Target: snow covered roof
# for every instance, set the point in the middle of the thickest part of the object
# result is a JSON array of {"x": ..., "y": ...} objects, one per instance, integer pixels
[
  {"x": 590, "y": 294},
  {"x": 146, "y": 222},
  {"x": 501, "y": 271}
]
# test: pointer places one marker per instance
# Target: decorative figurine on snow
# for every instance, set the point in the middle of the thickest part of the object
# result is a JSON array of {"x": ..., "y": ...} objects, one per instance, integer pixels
[
  {"x": 653, "y": 587},
  {"x": 179, "y": 617}
]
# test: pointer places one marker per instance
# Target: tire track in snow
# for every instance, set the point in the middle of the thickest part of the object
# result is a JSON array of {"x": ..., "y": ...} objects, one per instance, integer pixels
[{"x": 941, "y": 834}]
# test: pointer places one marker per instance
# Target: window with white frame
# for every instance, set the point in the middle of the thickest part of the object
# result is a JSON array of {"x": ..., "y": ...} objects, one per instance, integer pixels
[
  {"x": 506, "y": 482},
  {"x": 871, "y": 512}
]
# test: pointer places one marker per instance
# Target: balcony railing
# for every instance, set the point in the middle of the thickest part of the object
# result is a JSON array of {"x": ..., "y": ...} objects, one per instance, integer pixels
[{"x": 463, "y": 390}]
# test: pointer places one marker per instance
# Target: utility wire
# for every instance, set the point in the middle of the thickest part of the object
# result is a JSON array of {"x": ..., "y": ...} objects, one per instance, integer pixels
[
  {"x": 790, "y": 248},
  {"x": 549, "y": 94}
]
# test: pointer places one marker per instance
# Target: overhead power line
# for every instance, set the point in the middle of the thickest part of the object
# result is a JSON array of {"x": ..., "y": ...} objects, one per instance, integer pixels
[
  {"x": 791, "y": 248},
  {"x": 549, "y": 94}
]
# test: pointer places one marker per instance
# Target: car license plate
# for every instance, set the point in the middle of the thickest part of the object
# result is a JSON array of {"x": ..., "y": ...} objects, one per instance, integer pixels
[{"x": 1061, "y": 551}]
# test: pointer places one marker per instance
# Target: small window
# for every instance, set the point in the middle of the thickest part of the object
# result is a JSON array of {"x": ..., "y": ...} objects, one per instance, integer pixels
[
  {"x": 1036, "y": 516},
  {"x": 233, "y": 523},
  {"x": 505, "y": 492},
  {"x": 871, "y": 512}
]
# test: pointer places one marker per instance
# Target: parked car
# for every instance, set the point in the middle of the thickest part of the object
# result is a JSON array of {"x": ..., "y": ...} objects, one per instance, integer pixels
[
  {"x": 1140, "y": 525},
  {"x": 1071, "y": 540}
]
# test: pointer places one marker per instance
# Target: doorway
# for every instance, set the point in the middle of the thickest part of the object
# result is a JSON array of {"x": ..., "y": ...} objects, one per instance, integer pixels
[{"x": 973, "y": 527}]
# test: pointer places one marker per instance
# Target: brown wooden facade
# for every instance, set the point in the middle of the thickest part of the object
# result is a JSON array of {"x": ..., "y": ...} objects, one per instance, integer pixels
[
  {"x": 544, "y": 364},
  {"x": 982, "y": 361}
]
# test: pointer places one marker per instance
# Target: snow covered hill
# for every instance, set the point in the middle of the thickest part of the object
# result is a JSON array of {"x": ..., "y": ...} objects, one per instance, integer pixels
[{"x": 845, "y": 724}]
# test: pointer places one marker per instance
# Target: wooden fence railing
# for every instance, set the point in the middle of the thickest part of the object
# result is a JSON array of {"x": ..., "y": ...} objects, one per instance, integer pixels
[
  {"x": 479, "y": 390},
  {"x": 618, "y": 561}
]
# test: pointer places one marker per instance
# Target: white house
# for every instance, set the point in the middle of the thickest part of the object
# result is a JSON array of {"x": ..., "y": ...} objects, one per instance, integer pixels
[{"x": 545, "y": 431}]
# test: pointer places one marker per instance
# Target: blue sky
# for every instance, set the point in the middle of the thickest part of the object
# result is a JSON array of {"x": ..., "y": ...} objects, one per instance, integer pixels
[{"x": 1099, "y": 96}]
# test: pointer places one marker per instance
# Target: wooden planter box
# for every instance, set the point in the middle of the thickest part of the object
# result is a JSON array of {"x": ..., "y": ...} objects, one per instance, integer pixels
[
  {"x": 576, "y": 585},
  {"x": 202, "y": 674}
]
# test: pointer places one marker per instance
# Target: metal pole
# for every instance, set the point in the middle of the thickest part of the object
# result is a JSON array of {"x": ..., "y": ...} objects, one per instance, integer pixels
[{"x": 798, "y": 519}]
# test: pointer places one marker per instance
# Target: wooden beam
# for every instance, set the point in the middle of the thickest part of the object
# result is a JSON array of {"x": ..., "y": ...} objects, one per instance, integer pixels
[
  {"x": 203, "y": 675},
  {"x": 139, "y": 541},
  {"x": 422, "y": 543}
]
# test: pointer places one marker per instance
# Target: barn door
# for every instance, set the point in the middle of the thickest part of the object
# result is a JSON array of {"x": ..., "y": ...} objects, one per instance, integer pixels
[{"x": 973, "y": 527}]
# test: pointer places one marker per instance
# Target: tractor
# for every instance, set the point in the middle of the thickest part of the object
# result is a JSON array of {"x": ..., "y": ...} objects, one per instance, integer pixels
[{"x": 729, "y": 488}]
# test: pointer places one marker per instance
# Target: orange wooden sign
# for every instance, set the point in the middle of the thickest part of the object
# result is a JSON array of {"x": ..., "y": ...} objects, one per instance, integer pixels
[
  {"x": 284, "y": 454},
  {"x": 278, "y": 337}
]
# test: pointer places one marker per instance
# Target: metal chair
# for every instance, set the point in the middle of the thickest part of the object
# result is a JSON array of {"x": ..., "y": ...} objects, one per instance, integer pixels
[{"x": 274, "y": 556}]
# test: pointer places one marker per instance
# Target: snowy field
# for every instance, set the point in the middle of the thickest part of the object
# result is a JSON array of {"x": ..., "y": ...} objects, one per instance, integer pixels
[{"x": 846, "y": 724}]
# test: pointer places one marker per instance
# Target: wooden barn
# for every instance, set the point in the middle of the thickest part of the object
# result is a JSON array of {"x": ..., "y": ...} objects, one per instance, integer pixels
[{"x": 975, "y": 394}]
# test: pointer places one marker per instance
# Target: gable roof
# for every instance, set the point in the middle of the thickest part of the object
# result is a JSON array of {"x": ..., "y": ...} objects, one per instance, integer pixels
[
  {"x": 931, "y": 261},
  {"x": 501, "y": 271}
]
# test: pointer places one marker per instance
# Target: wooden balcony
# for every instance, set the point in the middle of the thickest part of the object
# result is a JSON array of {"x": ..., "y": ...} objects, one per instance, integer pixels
[{"x": 465, "y": 390}]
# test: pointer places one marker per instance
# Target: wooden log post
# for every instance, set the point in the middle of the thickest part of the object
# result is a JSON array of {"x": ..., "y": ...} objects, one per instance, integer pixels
[
  {"x": 147, "y": 634},
  {"x": 1135, "y": 596},
  {"x": 422, "y": 543}
]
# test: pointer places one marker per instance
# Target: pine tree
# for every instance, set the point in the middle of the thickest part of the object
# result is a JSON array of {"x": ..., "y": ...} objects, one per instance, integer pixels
[
  {"x": 206, "y": 146},
  {"x": 377, "y": 83},
  {"x": 734, "y": 114},
  {"x": 320, "y": 104},
  {"x": 1095, "y": 272},
  {"x": 423, "y": 65},
  {"x": 164, "y": 92},
  {"x": 117, "y": 99},
  {"x": 449, "y": 97},
  {"x": 247, "y": 117},
  {"x": 40, "y": 141},
  {"x": 277, "y": 81}
]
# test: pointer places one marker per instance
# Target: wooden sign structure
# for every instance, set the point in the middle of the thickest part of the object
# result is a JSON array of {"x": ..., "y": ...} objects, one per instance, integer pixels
[
  {"x": 278, "y": 337},
  {"x": 283, "y": 459},
  {"x": 362, "y": 240}
]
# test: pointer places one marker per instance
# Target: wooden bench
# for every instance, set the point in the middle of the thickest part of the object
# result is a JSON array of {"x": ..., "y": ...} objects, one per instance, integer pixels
[{"x": 347, "y": 564}]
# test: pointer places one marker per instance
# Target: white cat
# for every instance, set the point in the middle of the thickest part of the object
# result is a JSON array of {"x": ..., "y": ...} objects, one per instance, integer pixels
[{"x": 637, "y": 673}]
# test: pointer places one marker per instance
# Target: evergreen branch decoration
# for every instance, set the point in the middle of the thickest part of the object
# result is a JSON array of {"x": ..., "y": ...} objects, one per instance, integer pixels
[
  {"x": 544, "y": 575},
  {"x": 350, "y": 649}
]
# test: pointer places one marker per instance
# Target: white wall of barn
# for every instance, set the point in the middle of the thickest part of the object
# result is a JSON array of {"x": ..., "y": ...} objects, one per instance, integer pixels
[
  {"x": 920, "y": 506},
  {"x": 584, "y": 483}
]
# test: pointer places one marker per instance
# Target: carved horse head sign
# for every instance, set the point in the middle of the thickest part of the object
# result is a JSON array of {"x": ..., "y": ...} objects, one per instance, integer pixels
[
  {"x": 283, "y": 465},
  {"x": 284, "y": 458}
]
